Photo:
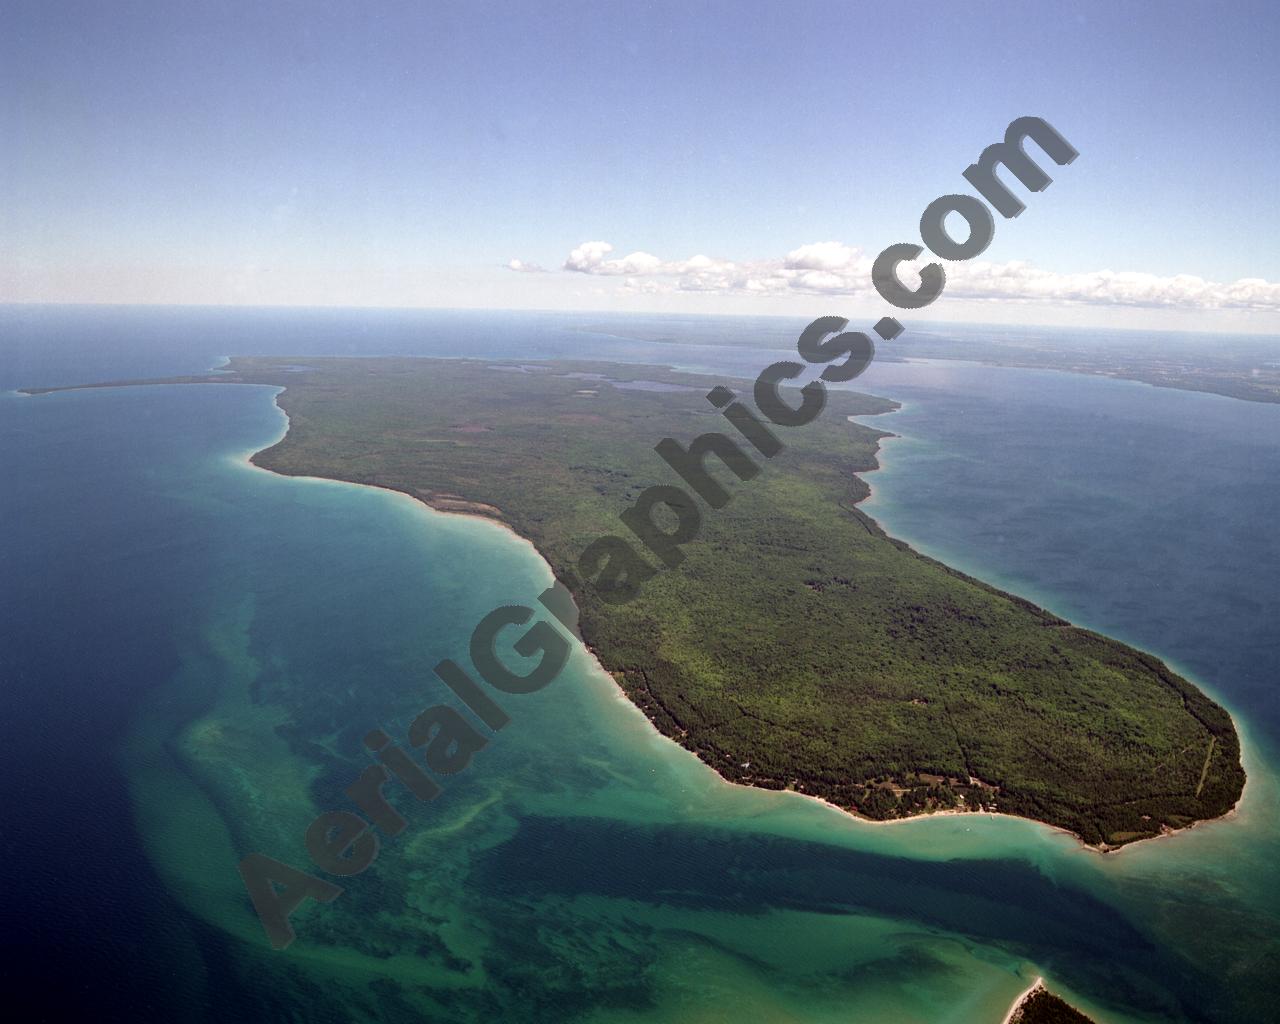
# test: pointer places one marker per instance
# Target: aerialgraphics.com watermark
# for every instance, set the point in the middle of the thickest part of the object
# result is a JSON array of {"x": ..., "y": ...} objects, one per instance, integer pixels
[{"x": 343, "y": 843}]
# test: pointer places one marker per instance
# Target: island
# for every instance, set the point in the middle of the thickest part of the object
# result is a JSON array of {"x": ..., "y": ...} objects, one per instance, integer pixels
[{"x": 798, "y": 646}]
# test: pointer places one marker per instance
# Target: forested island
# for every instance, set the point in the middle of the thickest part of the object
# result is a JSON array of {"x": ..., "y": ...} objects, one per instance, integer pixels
[{"x": 798, "y": 646}]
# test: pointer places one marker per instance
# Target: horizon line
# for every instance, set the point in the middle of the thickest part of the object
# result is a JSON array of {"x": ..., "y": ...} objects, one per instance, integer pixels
[{"x": 791, "y": 317}]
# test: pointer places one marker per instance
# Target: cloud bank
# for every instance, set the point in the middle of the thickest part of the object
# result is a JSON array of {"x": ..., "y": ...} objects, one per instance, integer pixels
[{"x": 833, "y": 268}]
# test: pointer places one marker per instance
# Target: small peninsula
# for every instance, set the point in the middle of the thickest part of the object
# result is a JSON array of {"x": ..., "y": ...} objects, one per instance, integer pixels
[
  {"x": 1037, "y": 1005},
  {"x": 799, "y": 646}
]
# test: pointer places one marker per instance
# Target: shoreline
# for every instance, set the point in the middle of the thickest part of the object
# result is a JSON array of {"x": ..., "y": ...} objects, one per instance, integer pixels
[
  {"x": 1036, "y": 986},
  {"x": 249, "y": 458},
  {"x": 1104, "y": 849},
  {"x": 881, "y": 448}
]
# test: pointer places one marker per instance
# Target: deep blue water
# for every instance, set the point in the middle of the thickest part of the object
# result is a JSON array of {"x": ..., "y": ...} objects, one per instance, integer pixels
[
  {"x": 1146, "y": 514},
  {"x": 1142, "y": 512},
  {"x": 98, "y": 567},
  {"x": 97, "y": 570}
]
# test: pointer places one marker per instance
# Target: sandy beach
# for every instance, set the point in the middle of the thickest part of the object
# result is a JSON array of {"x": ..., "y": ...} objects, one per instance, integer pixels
[{"x": 1022, "y": 998}]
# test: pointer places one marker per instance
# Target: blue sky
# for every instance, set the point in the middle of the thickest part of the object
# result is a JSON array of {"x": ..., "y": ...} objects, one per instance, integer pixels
[{"x": 404, "y": 153}]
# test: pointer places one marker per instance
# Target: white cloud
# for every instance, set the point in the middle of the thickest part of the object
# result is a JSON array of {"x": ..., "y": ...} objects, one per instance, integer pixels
[
  {"x": 833, "y": 268},
  {"x": 522, "y": 267},
  {"x": 1022, "y": 282},
  {"x": 589, "y": 258},
  {"x": 830, "y": 256}
]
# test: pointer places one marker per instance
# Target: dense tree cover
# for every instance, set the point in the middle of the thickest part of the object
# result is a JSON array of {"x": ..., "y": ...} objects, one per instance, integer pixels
[
  {"x": 797, "y": 645},
  {"x": 1042, "y": 1007}
]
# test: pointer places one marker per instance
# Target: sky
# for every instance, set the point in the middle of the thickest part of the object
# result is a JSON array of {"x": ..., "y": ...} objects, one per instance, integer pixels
[{"x": 693, "y": 157}]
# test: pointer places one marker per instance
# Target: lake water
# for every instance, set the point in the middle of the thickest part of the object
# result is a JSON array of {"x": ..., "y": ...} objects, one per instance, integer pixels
[{"x": 161, "y": 600}]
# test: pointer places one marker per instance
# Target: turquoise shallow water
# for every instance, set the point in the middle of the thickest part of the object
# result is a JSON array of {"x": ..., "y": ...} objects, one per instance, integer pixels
[{"x": 172, "y": 601}]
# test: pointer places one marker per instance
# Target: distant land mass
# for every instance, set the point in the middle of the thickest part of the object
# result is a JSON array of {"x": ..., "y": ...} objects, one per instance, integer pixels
[
  {"x": 1234, "y": 366},
  {"x": 798, "y": 646},
  {"x": 1246, "y": 367}
]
